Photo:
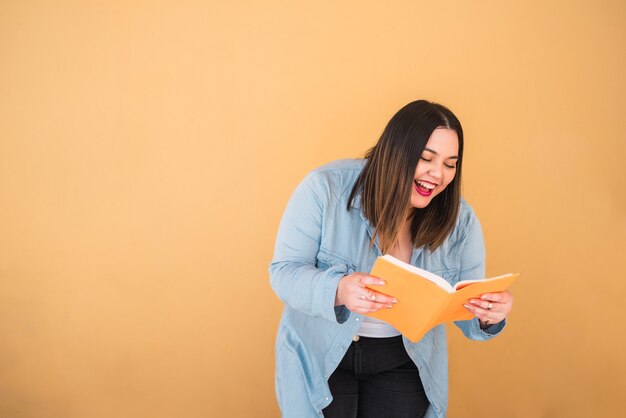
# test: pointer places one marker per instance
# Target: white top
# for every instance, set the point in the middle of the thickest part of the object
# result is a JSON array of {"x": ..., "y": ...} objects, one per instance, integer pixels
[{"x": 375, "y": 328}]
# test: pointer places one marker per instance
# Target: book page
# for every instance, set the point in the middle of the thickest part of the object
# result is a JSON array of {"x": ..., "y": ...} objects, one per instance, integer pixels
[
  {"x": 439, "y": 281},
  {"x": 464, "y": 283}
]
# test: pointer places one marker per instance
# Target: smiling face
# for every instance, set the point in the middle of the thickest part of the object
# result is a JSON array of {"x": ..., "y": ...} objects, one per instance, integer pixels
[{"x": 436, "y": 167}]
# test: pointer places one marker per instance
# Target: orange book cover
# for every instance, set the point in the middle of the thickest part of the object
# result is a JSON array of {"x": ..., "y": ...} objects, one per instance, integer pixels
[{"x": 426, "y": 300}]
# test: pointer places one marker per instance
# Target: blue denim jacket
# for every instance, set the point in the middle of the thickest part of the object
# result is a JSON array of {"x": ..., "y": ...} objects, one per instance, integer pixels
[{"x": 319, "y": 241}]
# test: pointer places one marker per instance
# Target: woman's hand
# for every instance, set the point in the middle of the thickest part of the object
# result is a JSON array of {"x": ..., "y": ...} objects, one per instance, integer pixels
[
  {"x": 352, "y": 293},
  {"x": 491, "y": 308}
]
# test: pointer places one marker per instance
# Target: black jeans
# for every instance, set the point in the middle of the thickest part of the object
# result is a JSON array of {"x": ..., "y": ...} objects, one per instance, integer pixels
[{"x": 376, "y": 379}]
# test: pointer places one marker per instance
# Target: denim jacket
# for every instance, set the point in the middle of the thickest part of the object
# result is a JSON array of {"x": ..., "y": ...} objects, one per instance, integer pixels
[{"x": 319, "y": 241}]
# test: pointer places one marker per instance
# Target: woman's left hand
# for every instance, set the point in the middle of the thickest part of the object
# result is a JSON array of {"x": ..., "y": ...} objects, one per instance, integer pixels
[{"x": 491, "y": 308}]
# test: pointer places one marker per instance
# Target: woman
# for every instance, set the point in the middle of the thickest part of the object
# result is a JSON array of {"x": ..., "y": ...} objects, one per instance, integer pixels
[{"x": 402, "y": 199}]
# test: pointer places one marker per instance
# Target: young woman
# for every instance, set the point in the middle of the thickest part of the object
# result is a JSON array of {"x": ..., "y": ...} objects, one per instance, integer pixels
[{"x": 403, "y": 199}]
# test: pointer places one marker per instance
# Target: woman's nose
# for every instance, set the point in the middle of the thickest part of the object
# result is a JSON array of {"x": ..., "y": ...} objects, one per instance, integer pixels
[{"x": 435, "y": 171}]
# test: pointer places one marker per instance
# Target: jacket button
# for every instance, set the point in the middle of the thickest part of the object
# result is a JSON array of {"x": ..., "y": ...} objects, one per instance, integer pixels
[{"x": 356, "y": 338}]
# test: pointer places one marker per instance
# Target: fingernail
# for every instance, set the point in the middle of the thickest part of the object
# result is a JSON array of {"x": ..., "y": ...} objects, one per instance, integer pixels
[
  {"x": 467, "y": 306},
  {"x": 394, "y": 301},
  {"x": 389, "y": 306},
  {"x": 484, "y": 297},
  {"x": 381, "y": 282}
]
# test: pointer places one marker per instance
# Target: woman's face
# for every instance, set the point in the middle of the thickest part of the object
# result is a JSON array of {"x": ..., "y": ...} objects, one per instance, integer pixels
[{"x": 436, "y": 167}]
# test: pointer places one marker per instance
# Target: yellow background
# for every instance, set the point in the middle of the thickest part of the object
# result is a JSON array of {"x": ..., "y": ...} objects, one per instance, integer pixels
[{"x": 148, "y": 148}]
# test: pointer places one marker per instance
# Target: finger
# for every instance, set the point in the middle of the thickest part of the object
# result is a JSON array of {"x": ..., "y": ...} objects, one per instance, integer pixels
[
  {"x": 373, "y": 306},
  {"x": 368, "y": 295},
  {"x": 372, "y": 301},
  {"x": 359, "y": 282},
  {"x": 381, "y": 297},
  {"x": 367, "y": 280},
  {"x": 378, "y": 297},
  {"x": 485, "y": 304},
  {"x": 481, "y": 313},
  {"x": 368, "y": 306},
  {"x": 475, "y": 310},
  {"x": 495, "y": 297}
]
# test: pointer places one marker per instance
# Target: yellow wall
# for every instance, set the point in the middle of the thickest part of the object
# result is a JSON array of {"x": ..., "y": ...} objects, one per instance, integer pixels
[{"x": 147, "y": 149}]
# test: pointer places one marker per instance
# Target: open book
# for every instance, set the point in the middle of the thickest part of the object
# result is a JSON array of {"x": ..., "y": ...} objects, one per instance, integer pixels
[{"x": 425, "y": 299}]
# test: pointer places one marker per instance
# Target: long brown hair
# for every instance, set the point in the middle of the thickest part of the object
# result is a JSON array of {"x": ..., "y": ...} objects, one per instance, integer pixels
[{"x": 386, "y": 181}]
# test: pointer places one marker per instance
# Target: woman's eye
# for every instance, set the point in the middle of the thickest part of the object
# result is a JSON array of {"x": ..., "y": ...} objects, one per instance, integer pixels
[
  {"x": 426, "y": 159},
  {"x": 450, "y": 165}
]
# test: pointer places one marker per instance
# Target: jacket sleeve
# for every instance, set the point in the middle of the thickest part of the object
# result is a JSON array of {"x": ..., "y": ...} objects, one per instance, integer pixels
[
  {"x": 473, "y": 268},
  {"x": 294, "y": 274}
]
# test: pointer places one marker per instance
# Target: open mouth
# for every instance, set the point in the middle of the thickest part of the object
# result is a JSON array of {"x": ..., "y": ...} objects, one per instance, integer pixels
[{"x": 424, "y": 188}]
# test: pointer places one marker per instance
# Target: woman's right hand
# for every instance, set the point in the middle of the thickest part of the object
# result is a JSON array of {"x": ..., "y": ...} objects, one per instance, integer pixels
[{"x": 353, "y": 293}]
